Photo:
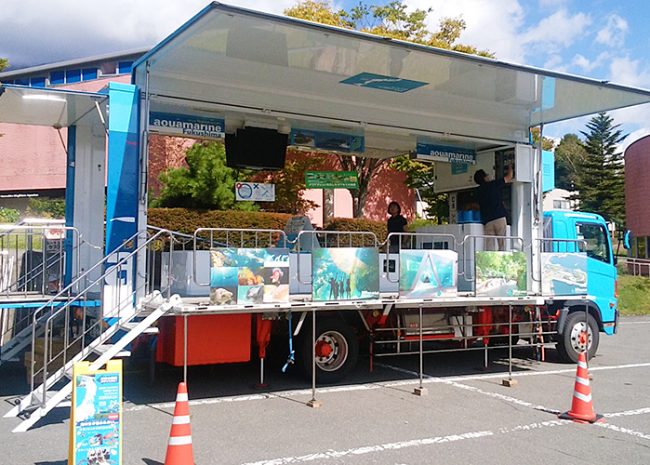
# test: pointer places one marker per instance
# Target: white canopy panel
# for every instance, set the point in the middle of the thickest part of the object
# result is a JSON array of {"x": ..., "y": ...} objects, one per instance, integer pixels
[
  {"x": 49, "y": 107},
  {"x": 251, "y": 66}
]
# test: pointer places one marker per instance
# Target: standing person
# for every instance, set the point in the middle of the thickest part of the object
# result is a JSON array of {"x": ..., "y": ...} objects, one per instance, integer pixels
[
  {"x": 396, "y": 224},
  {"x": 493, "y": 212}
]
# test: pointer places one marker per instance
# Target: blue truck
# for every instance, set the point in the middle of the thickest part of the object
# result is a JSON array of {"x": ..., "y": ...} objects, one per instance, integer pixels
[{"x": 601, "y": 313}]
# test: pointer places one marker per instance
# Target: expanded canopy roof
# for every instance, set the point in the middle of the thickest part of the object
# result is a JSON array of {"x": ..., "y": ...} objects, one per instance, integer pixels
[
  {"x": 256, "y": 68},
  {"x": 48, "y": 107}
]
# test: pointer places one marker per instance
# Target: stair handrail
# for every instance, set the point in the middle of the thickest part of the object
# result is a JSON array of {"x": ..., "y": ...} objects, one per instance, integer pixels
[{"x": 68, "y": 304}]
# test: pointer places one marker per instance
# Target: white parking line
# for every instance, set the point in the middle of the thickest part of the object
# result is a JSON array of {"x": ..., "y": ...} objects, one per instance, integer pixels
[
  {"x": 619, "y": 429},
  {"x": 378, "y": 448},
  {"x": 373, "y": 386},
  {"x": 628, "y": 413},
  {"x": 391, "y": 446}
]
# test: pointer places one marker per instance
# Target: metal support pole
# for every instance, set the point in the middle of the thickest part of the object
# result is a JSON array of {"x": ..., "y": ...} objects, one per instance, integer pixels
[
  {"x": 509, "y": 382},
  {"x": 313, "y": 403},
  {"x": 185, "y": 349},
  {"x": 420, "y": 390}
]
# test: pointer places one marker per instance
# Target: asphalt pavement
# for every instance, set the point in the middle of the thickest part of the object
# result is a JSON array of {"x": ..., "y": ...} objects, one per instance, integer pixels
[{"x": 466, "y": 416}]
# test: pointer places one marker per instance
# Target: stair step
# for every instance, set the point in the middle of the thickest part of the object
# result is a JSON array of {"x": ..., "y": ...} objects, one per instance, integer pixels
[
  {"x": 103, "y": 348},
  {"x": 132, "y": 325}
]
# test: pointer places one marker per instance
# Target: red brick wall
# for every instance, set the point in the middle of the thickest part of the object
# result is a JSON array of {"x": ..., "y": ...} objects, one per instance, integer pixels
[{"x": 637, "y": 187}]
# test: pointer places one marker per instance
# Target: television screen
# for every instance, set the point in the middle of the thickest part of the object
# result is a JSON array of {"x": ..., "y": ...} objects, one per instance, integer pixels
[{"x": 256, "y": 148}]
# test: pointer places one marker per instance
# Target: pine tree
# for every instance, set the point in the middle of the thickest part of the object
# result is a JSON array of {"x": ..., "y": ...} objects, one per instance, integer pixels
[{"x": 600, "y": 182}]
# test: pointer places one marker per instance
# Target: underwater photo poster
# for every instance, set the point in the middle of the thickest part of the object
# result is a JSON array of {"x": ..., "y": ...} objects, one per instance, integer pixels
[
  {"x": 249, "y": 276},
  {"x": 345, "y": 273},
  {"x": 428, "y": 273},
  {"x": 501, "y": 274},
  {"x": 564, "y": 273}
]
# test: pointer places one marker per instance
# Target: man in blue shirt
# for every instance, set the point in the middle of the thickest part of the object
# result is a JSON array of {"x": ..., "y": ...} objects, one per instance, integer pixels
[{"x": 493, "y": 212}]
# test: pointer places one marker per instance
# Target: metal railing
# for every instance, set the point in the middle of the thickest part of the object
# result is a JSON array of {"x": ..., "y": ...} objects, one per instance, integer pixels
[
  {"x": 38, "y": 257},
  {"x": 209, "y": 238},
  {"x": 333, "y": 239},
  {"x": 414, "y": 241},
  {"x": 636, "y": 266},
  {"x": 73, "y": 322}
]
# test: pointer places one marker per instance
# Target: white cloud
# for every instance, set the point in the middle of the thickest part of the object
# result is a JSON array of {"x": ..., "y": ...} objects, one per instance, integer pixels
[
  {"x": 34, "y": 31},
  {"x": 559, "y": 29},
  {"x": 614, "y": 31},
  {"x": 488, "y": 27},
  {"x": 587, "y": 65},
  {"x": 624, "y": 70}
]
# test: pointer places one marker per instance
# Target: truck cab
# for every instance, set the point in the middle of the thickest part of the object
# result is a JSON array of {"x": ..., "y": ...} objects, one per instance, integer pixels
[{"x": 592, "y": 232}]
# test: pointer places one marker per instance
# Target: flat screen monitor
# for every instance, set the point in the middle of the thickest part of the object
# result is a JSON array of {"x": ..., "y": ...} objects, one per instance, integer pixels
[{"x": 256, "y": 148}]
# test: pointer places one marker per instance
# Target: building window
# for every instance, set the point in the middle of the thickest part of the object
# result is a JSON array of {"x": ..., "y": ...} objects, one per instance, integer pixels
[
  {"x": 561, "y": 204},
  {"x": 641, "y": 247},
  {"x": 72, "y": 75},
  {"x": 89, "y": 74},
  {"x": 37, "y": 82},
  {"x": 108, "y": 68},
  {"x": 22, "y": 82},
  {"x": 124, "y": 67},
  {"x": 57, "y": 77}
]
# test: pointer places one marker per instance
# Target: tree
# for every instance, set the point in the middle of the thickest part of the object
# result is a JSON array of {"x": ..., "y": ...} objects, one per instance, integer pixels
[
  {"x": 600, "y": 181},
  {"x": 391, "y": 20},
  {"x": 547, "y": 144},
  {"x": 290, "y": 183},
  {"x": 3, "y": 64},
  {"x": 569, "y": 156},
  {"x": 206, "y": 182},
  {"x": 421, "y": 176}
]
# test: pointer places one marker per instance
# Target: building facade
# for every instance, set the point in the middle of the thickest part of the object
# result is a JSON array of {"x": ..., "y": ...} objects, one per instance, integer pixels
[{"x": 637, "y": 196}]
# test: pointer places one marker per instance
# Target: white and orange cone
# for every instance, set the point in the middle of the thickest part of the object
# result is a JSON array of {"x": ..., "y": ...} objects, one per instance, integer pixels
[
  {"x": 179, "y": 448},
  {"x": 582, "y": 409}
]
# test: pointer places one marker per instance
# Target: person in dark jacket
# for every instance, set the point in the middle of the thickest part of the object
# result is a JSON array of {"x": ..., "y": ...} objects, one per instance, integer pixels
[
  {"x": 493, "y": 212},
  {"x": 396, "y": 224}
]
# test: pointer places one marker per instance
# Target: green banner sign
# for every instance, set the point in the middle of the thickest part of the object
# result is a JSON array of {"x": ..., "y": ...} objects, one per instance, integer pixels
[{"x": 331, "y": 180}]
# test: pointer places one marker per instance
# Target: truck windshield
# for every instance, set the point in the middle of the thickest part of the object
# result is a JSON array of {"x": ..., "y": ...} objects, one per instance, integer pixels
[{"x": 595, "y": 235}]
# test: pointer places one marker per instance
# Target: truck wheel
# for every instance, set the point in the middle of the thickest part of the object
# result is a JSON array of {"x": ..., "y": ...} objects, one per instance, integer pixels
[
  {"x": 571, "y": 344},
  {"x": 337, "y": 350}
]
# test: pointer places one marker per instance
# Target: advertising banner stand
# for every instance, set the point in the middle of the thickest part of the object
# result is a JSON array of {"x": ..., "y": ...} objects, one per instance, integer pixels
[{"x": 96, "y": 414}]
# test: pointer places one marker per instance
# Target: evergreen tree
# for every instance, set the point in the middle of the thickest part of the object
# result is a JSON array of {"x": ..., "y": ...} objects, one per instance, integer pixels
[
  {"x": 569, "y": 156},
  {"x": 600, "y": 181},
  {"x": 206, "y": 182}
]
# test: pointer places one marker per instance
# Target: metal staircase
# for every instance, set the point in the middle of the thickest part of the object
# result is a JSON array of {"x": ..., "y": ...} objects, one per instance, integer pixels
[{"x": 86, "y": 336}]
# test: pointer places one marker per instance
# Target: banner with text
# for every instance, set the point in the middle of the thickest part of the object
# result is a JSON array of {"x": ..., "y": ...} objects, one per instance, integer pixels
[
  {"x": 179, "y": 125},
  {"x": 445, "y": 153},
  {"x": 331, "y": 180}
]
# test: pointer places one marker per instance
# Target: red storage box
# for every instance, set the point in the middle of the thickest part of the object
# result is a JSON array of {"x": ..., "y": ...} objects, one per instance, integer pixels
[{"x": 211, "y": 339}]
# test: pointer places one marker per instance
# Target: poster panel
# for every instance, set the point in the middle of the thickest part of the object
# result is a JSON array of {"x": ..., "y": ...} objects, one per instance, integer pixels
[
  {"x": 564, "y": 273},
  {"x": 345, "y": 273},
  {"x": 501, "y": 274},
  {"x": 249, "y": 276},
  {"x": 428, "y": 273},
  {"x": 96, "y": 414}
]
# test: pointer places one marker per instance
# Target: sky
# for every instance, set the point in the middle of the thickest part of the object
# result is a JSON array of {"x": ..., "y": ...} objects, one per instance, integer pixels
[{"x": 602, "y": 39}]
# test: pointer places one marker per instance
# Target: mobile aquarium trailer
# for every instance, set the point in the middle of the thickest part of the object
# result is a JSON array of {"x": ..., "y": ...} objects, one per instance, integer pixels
[{"x": 263, "y": 82}]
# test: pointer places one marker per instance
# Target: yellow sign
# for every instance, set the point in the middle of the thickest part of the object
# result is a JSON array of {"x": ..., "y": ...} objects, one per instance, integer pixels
[{"x": 96, "y": 414}]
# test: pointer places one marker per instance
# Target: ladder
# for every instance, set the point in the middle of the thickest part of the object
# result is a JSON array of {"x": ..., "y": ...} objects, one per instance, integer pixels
[{"x": 45, "y": 397}]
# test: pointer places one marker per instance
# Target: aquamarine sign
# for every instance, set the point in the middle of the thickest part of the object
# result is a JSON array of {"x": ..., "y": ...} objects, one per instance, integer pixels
[
  {"x": 180, "y": 125},
  {"x": 327, "y": 140},
  {"x": 379, "y": 81},
  {"x": 445, "y": 153}
]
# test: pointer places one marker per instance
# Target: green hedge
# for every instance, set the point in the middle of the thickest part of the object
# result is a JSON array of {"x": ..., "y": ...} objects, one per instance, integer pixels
[
  {"x": 188, "y": 221},
  {"x": 9, "y": 215},
  {"x": 358, "y": 224}
]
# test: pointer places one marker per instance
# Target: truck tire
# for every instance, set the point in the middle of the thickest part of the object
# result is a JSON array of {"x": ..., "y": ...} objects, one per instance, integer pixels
[
  {"x": 568, "y": 345},
  {"x": 337, "y": 350}
]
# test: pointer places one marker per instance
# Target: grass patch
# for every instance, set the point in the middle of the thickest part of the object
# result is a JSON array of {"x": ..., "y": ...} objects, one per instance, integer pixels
[{"x": 634, "y": 295}]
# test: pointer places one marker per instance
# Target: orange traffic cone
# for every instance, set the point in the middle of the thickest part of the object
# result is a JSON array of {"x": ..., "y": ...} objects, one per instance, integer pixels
[
  {"x": 179, "y": 448},
  {"x": 582, "y": 409}
]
